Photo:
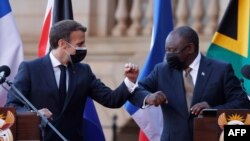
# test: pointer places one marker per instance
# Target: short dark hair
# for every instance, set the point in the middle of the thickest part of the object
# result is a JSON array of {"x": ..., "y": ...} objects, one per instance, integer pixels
[
  {"x": 188, "y": 34},
  {"x": 62, "y": 30}
]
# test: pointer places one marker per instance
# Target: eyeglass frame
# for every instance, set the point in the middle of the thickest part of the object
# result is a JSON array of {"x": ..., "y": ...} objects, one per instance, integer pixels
[{"x": 168, "y": 50}]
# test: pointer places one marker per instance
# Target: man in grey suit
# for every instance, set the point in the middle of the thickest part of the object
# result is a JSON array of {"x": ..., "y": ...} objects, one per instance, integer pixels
[
  {"x": 58, "y": 84},
  {"x": 214, "y": 85}
]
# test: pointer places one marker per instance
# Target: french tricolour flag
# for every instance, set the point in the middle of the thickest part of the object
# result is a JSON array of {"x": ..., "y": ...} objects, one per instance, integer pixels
[
  {"x": 150, "y": 119},
  {"x": 11, "y": 48}
]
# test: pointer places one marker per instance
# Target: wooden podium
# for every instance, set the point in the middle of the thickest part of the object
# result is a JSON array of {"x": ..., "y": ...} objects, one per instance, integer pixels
[
  {"x": 206, "y": 127},
  {"x": 26, "y": 125}
]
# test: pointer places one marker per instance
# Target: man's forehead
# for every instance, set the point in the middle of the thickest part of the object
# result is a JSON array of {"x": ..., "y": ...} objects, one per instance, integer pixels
[{"x": 173, "y": 39}]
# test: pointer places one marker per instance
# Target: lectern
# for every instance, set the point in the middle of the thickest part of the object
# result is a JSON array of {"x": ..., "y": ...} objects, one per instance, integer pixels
[
  {"x": 206, "y": 126},
  {"x": 26, "y": 125}
]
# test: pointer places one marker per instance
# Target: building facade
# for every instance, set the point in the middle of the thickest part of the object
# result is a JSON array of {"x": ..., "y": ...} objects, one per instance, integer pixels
[{"x": 119, "y": 31}]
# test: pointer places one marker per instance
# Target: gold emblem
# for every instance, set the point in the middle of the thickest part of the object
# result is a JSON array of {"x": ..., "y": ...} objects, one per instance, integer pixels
[
  {"x": 233, "y": 119},
  {"x": 5, "y": 123}
]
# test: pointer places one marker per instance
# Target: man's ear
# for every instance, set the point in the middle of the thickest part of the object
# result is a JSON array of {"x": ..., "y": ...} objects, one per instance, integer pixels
[
  {"x": 61, "y": 43},
  {"x": 191, "y": 49}
]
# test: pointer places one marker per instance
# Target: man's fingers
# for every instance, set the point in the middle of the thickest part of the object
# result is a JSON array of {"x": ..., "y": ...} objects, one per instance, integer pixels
[
  {"x": 131, "y": 66},
  {"x": 197, "y": 108},
  {"x": 45, "y": 112},
  {"x": 128, "y": 65},
  {"x": 156, "y": 99},
  {"x": 127, "y": 69},
  {"x": 160, "y": 98}
]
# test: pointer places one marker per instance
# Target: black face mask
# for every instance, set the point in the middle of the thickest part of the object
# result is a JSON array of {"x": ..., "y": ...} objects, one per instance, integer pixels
[
  {"x": 174, "y": 61},
  {"x": 79, "y": 56}
]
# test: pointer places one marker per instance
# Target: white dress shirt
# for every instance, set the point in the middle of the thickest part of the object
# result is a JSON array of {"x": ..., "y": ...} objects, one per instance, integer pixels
[
  {"x": 57, "y": 71},
  {"x": 195, "y": 67}
]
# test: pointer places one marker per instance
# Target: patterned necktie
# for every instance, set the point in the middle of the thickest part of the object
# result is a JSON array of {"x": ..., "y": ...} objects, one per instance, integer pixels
[
  {"x": 62, "y": 85},
  {"x": 189, "y": 86}
]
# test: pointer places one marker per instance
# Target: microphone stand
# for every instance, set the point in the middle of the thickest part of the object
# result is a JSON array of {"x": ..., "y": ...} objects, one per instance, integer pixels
[
  {"x": 44, "y": 120},
  {"x": 242, "y": 84}
]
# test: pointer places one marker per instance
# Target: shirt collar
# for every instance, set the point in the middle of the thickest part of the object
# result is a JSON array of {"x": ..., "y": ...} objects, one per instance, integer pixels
[
  {"x": 196, "y": 63},
  {"x": 55, "y": 62}
]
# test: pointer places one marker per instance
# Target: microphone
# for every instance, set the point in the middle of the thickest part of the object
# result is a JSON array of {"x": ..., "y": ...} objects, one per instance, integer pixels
[
  {"x": 4, "y": 72},
  {"x": 245, "y": 71},
  {"x": 242, "y": 84}
]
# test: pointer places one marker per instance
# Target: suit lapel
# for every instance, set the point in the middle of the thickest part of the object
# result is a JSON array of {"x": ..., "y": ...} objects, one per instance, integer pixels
[
  {"x": 179, "y": 98},
  {"x": 48, "y": 74},
  {"x": 202, "y": 78}
]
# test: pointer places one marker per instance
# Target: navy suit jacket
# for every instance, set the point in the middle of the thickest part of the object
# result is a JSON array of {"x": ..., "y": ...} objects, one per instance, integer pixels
[
  {"x": 216, "y": 84},
  {"x": 36, "y": 81}
]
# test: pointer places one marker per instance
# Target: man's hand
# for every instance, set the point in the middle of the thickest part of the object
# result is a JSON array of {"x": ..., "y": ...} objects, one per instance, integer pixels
[
  {"x": 131, "y": 71},
  {"x": 156, "y": 98},
  {"x": 197, "y": 108},
  {"x": 46, "y": 112}
]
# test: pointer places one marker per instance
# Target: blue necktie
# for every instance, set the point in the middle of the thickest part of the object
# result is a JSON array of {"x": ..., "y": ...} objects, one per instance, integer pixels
[{"x": 62, "y": 85}]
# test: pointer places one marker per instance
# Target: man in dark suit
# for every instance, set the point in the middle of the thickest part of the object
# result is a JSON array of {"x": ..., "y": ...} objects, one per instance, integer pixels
[
  {"x": 58, "y": 84},
  {"x": 214, "y": 85}
]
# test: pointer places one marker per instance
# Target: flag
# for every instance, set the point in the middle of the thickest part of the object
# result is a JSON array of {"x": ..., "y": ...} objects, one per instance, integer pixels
[
  {"x": 92, "y": 126},
  {"x": 150, "y": 119},
  {"x": 11, "y": 48},
  {"x": 231, "y": 41},
  {"x": 58, "y": 10}
]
